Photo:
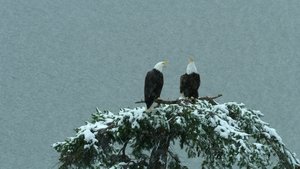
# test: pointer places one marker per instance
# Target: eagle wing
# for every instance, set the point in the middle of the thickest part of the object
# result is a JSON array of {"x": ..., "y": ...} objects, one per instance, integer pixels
[
  {"x": 153, "y": 86},
  {"x": 196, "y": 81},
  {"x": 183, "y": 82}
]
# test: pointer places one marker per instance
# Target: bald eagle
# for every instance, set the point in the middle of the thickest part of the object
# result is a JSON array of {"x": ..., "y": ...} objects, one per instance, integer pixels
[
  {"x": 153, "y": 84},
  {"x": 190, "y": 81}
]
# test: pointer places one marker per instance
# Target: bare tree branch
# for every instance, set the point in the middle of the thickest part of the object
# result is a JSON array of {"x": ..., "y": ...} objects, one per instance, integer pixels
[
  {"x": 179, "y": 101},
  {"x": 173, "y": 156},
  {"x": 123, "y": 149},
  {"x": 212, "y": 97}
]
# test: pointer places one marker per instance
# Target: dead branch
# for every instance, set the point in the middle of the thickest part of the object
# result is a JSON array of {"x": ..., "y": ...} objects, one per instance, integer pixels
[
  {"x": 179, "y": 101},
  {"x": 137, "y": 102},
  {"x": 210, "y": 98},
  {"x": 160, "y": 101},
  {"x": 173, "y": 156},
  {"x": 123, "y": 149}
]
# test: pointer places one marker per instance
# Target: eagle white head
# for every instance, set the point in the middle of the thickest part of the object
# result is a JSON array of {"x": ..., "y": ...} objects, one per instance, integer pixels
[
  {"x": 160, "y": 65},
  {"x": 191, "y": 67}
]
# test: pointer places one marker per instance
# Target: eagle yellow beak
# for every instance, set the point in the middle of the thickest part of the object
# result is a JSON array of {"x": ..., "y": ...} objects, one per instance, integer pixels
[
  {"x": 191, "y": 59},
  {"x": 165, "y": 62}
]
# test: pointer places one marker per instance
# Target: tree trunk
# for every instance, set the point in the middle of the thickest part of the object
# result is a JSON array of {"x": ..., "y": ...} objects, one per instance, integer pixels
[{"x": 159, "y": 154}]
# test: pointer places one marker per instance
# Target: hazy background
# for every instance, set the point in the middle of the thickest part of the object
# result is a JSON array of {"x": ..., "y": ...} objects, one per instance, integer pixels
[{"x": 60, "y": 59}]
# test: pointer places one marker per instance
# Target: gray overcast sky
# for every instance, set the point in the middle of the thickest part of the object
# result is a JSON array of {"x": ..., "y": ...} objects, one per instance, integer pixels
[{"x": 61, "y": 59}]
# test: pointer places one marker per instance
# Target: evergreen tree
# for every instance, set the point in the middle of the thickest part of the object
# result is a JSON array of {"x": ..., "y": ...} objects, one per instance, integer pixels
[{"x": 221, "y": 135}]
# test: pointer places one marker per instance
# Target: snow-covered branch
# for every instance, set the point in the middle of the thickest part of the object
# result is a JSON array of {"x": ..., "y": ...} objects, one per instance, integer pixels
[{"x": 222, "y": 135}]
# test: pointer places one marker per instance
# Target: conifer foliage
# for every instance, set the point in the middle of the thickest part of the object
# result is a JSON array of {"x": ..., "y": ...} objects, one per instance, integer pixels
[{"x": 221, "y": 135}]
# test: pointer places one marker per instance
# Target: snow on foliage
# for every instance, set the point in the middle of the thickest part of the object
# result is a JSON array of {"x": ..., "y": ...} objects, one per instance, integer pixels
[{"x": 222, "y": 135}]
